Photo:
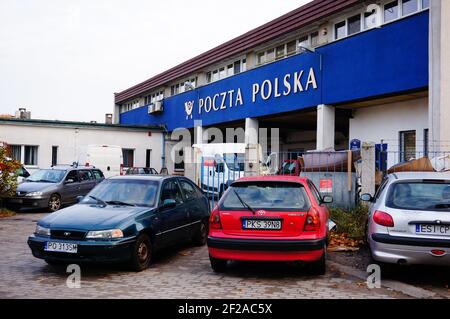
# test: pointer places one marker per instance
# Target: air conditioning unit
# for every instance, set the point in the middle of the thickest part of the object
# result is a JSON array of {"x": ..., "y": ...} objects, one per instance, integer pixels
[{"x": 156, "y": 107}]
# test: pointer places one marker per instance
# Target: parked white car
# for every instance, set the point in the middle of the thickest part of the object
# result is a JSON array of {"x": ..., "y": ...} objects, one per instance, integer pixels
[
  {"x": 224, "y": 163},
  {"x": 409, "y": 219}
]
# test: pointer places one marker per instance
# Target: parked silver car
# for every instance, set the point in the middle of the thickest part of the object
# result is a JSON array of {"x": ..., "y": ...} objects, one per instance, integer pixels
[
  {"x": 54, "y": 187},
  {"x": 409, "y": 219}
]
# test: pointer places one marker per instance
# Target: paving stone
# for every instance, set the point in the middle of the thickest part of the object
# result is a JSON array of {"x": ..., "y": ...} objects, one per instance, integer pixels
[{"x": 180, "y": 273}]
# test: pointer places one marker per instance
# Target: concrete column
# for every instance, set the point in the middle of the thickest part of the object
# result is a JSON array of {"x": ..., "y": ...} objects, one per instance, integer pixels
[
  {"x": 252, "y": 156},
  {"x": 368, "y": 168},
  {"x": 116, "y": 116},
  {"x": 325, "y": 127},
  {"x": 251, "y": 60},
  {"x": 197, "y": 154},
  {"x": 439, "y": 86}
]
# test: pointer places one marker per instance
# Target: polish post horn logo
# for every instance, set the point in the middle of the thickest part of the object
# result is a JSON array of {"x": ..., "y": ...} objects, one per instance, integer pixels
[{"x": 189, "y": 107}]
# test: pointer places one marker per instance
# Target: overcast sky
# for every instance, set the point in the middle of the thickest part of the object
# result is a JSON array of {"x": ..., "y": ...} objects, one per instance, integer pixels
[{"x": 64, "y": 59}]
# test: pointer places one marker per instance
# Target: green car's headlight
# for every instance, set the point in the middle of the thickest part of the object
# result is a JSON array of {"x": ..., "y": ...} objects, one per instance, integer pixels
[
  {"x": 105, "y": 234},
  {"x": 42, "y": 231}
]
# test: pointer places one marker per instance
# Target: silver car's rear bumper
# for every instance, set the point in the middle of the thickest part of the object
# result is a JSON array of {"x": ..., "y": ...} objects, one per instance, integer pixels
[{"x": 392, "y": 249}]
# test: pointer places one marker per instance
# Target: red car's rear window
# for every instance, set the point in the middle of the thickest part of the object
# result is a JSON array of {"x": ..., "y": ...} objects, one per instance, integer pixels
[{"x": 266, "y": 195}]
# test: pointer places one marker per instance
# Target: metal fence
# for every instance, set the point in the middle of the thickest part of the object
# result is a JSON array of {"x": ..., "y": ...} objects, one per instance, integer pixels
[
  {"x": 333, "y": 173},
  {"x": 395, "y": 161}
]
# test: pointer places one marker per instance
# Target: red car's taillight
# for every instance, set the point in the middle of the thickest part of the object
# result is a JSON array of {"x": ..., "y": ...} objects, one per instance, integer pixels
[
  {"x": 214, "y": 220},
  {"x": 312, "y": 222},
  {"x": 383, "y": 219}
]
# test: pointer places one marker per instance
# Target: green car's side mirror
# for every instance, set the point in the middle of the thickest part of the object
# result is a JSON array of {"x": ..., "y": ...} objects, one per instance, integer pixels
[{"x": 168, "y": 203}]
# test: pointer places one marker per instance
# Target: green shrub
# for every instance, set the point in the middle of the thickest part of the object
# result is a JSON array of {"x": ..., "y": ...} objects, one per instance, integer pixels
[{"x": 352, "y": 222}]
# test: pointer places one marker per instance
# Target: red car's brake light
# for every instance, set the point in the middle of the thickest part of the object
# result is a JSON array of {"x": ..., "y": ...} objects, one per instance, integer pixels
[
  {"x": 383, "y": 219},
  {"x": 312, "y": 222},
  {"x": 214, "y": 220}
]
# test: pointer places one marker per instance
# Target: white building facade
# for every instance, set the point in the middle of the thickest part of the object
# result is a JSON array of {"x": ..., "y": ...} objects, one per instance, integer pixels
[{"x": 40, "y": 144}]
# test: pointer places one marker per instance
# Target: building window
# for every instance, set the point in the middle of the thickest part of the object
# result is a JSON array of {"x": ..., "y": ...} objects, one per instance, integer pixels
[
  {"x": 153, "y": 98},
  {"x": 215, "y": 76},
  {"x": 425, "y": 142},
  {"x": 407, "y": 145},
  {"x": 16, "y": 152},
  {"x": 280, "y": 52},
  {"x": 228, "y": 70},
  {"x": 391, "y": 11},
  {"x": 354, "y": 24},
  {"x": 291, "y": 48},
  {"x": 179, "y": 160},
  {"x": 339, "y": 30},
  {"x": 54, "y": 155},
  {"x": 409, "y": 6},
  {"x": 130, "y": 106},
  {"x": 128, "y": 157},
  {"x": 148, "y": 156},
  {"x": 31, "y": 153},
  {"x": 303, "y": 42},
  {"x": 181, "y": 87},
  {"x": 262, "y": 58},
  {"x": 425, "y": 4}
]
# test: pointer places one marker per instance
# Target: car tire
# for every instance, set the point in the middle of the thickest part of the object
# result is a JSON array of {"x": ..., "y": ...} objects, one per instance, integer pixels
[
  {"x": 141, "y": 254},
  {"x": 218, "y": 265},
  {"x": 201, "y": 234},
  {"x": 387, "y": 269},
  {"x": 319, "y": 267},
  {"x": 54, "y": 203}
]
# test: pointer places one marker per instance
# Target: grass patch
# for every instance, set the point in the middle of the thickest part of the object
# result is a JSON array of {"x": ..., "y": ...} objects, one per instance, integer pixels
[
  {"x": 6, "y": 213},
  {"x": 353, "y": 222}
]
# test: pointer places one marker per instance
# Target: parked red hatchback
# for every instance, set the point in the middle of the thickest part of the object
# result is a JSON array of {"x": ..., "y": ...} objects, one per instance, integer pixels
[{"x": 270, "y": 218}]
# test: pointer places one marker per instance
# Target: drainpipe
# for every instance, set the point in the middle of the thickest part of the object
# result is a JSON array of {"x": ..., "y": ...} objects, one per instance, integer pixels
[{"x": 163, "y": 157}]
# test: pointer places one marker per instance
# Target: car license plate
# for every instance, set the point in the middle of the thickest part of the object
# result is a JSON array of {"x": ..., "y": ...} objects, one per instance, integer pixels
[
  {"x": 433, "y": 229},
  {"x": 261, "y": 224},
  {"x": 61, "y": 247},
  {"x": 16, "y": 201}
]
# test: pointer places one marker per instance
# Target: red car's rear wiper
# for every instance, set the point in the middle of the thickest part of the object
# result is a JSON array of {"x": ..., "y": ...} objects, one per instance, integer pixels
[{"x": 244, "y": 203}]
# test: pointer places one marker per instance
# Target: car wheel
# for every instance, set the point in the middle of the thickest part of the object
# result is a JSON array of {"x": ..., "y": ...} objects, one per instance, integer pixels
[
  {"x": 319, "y": 267},
  {"x": 201, "y": 234},
  {"x": 387, "y": 269},
  {"x": 54, "y": 203},
  {"x": 142, "y": 253},
  {"x": 218, "y": 265}
]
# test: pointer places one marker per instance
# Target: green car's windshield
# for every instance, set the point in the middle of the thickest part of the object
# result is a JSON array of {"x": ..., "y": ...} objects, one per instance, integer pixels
[
  {"x": 47, "y": 176},
  {"x": 124, "y": 193}
]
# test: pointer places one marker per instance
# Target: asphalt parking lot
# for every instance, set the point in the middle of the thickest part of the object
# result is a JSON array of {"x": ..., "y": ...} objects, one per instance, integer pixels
[{"x": 182, "y": 272}]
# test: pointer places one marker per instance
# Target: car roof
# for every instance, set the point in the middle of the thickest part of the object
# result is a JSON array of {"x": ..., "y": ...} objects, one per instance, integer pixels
[
  {"x": 420, "y": 175},
  {"x": 157, "y": 178},
  {"x": 274, "y": 178}
]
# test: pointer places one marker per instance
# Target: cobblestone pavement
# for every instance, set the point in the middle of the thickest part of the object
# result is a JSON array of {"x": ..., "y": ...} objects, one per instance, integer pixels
[{"x": 183, "y": 272}]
